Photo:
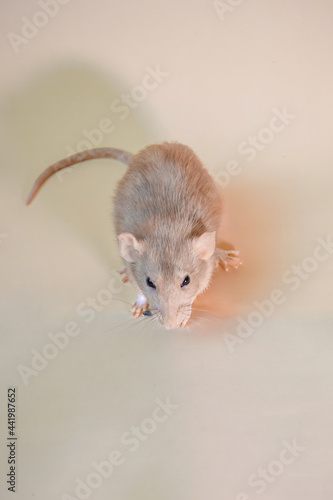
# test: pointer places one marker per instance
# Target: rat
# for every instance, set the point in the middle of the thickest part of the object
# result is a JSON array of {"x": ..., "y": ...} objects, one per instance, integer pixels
[{"x": 167, "y": 210}]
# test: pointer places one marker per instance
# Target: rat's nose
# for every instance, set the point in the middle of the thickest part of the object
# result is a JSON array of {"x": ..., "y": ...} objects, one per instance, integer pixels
[{"x": 170, "y": 324}]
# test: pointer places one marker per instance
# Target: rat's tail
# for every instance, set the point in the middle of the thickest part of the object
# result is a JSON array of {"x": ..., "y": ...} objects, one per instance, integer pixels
[{"x": 90, "y": 154}]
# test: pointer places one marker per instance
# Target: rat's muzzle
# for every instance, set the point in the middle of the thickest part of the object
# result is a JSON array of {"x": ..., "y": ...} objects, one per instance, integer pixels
[{"x": 172, "y": 318}]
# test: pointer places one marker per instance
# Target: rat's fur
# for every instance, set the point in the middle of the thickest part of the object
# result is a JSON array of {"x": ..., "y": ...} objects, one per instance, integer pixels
[
  {"x": 167, "y": 210},
  {"x": 167, "y": 200}
]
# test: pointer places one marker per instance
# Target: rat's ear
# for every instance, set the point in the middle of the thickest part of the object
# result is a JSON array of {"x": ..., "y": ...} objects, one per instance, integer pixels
[
  {"x": 204, "y": 246},
  {"x": 128, "y": 244}
]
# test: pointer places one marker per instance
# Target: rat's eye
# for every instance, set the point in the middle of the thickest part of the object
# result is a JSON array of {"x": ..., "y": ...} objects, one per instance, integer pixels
[
  {"x": 185, "y": 281},
  {"x": 150, "y": 283}
]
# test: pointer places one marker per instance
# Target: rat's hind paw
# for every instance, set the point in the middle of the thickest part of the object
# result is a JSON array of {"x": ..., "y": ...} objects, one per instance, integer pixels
[
  {"x": 139, "y": 306},
  {"x": 123, "y": 275},
  {"x": 228, "y": 258}
]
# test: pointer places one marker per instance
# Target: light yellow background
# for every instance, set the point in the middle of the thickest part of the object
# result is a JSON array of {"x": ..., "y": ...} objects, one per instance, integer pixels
[{"x": 226, "y": 73}]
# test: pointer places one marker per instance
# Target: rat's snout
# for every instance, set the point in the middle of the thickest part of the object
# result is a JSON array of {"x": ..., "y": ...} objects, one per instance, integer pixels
[
  {"x": 170, "y": 324},
  {"x": 171, "y": 316},
  {"x": 167, "y": 315}
]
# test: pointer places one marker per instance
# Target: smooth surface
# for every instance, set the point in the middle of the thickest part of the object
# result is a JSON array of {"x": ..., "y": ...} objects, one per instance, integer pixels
[{"x": 251, "y": 378}]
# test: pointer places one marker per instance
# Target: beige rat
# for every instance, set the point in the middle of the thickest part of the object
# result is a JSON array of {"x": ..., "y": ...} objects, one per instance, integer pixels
[{"x": 167, "y": 210}]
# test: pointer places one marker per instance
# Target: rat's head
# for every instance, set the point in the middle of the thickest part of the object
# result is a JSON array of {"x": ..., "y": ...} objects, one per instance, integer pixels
[{"x": 170, "y": 274}]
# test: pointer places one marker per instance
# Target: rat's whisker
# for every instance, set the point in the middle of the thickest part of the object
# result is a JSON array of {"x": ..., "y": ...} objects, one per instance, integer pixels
[
  {"x": 122, "y": 325},
  {"x": 143, "y": 330},
  {"x": 122, "y": 300},
  {"x": 137, "y": 321},
  {"x": 207, "y": 311}
]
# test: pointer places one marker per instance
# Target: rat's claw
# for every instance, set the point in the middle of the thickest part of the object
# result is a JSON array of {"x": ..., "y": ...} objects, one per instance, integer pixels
[
  {"x": 183, "y": 323},
  {"x": 228, "y": 259},
  {"x": 139, "y": 306},
  {"x": 124, "y": 277}
]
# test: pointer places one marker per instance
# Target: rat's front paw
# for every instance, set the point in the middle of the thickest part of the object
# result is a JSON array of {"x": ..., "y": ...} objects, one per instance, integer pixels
[
  {"x": 123, "y": 275},
  {"x": 139, "y": 306},
  {"x": 228, "y": 258}
]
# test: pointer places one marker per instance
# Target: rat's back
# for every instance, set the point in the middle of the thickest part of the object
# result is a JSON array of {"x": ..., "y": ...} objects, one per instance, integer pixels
[{"x": 166, "y": 185}]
